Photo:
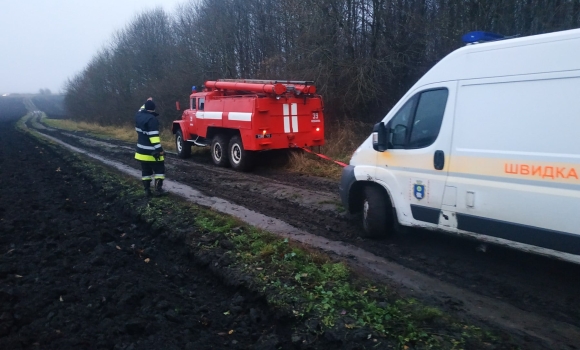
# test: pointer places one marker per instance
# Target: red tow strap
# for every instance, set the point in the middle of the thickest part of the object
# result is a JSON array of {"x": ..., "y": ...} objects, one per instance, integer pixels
[{"x": 323, "y": 156}]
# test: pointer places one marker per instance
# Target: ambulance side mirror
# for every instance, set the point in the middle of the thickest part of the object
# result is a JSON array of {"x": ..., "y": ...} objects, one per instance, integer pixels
[
  {"x": 399, "y": 136},
  {"x": 380, "y": 137}
]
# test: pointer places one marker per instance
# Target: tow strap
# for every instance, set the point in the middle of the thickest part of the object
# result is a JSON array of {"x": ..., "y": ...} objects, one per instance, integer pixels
[{"x": 323, "y": 156}]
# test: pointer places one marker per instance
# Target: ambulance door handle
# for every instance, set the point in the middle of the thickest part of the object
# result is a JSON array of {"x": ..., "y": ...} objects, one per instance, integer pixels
[{"x": 439, "y": 160}]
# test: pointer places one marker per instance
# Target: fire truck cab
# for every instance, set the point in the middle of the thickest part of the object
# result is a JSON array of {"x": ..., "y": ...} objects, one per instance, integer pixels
[{"x": 239, "y": 118}]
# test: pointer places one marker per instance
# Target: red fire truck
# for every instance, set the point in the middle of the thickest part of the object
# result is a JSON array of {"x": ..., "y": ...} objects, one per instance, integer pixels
[{"x": 239, "y": 118}]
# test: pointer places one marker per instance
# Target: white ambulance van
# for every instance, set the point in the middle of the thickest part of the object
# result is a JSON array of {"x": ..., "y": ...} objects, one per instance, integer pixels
[{"x": 485, "y": 144}]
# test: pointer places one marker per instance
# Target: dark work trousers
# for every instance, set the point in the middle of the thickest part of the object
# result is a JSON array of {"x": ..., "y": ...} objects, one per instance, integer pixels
[{"x": 150, "y": 168}]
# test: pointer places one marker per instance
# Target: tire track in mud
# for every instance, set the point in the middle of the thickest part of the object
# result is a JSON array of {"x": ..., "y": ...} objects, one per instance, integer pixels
[{"x": 536, "y": 284}]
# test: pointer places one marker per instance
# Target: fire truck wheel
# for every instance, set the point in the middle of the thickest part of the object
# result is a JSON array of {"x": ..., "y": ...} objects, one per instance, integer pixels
[
  {"x": 240, "y": 159},
  {"x": 376, "y": 214},
  {"x": 183, "y": 147},
  {"x": 219, "y": 150}
]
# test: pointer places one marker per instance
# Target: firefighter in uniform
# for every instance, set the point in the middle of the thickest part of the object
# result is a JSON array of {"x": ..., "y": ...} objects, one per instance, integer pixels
[{"x": 149, "y": 151}]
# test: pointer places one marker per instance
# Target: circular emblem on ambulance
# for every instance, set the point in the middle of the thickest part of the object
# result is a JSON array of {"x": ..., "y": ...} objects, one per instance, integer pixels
[{"x": 419, "y": 191}]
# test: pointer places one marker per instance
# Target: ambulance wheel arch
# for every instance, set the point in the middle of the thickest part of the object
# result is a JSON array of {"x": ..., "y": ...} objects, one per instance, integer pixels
[{"x": 373, "y": 203}]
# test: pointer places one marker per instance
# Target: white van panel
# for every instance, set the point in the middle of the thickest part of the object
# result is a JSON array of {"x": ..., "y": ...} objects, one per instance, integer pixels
[
  {"x": 536, "y": 117},
  {"x": 554, "y": 52},
  {"x": 516, "y": 147}
]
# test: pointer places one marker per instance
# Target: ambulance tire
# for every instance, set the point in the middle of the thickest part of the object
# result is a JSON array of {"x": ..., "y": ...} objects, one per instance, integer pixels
[
  {"x": 240, "y": 159},
  {"x": 183, "y": 147},
  {"x": 376, "y": 214},
  {"x": 219, "y": 150}
]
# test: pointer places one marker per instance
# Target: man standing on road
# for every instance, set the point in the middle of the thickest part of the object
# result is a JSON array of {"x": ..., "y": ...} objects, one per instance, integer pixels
[{"x": 149, "y": 151}]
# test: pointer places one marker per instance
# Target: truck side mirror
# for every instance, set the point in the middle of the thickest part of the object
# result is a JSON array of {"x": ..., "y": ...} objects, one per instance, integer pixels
[
  {"x": 380, "y": 137},
  {"x": 177, "y": 105}
]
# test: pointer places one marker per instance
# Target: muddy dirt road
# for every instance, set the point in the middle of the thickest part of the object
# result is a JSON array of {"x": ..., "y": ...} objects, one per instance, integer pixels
[{"x": 536, "y": 284}]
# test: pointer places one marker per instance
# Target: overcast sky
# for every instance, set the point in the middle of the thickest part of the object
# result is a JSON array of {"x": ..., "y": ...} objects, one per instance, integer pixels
[{"x": 45, "y": 42}]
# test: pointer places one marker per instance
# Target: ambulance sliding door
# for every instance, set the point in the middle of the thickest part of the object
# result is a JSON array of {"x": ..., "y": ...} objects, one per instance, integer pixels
[{"x": 515, "y": 159}]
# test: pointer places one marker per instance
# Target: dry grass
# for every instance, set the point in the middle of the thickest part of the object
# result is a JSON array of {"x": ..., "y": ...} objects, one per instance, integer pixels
[
  {"x": 340, "y": 143},
  {"x": 342, "y": 139},
  {"x": 124, "y": 133}
]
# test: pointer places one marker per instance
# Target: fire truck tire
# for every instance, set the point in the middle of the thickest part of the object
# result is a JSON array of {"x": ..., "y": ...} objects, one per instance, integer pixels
[
  {"x": 240, "y": 159},
  {"x": 183, "y": 147},
  {"x": 219, "y": 150},
  {"x": 376, "y": 214}
]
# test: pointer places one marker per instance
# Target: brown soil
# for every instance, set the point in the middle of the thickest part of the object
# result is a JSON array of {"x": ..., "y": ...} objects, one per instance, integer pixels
[{"x": 73, "y": 273}]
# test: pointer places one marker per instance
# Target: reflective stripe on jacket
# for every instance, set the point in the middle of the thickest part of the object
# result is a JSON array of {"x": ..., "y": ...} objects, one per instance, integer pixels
[{"x": 148, "y": 142}]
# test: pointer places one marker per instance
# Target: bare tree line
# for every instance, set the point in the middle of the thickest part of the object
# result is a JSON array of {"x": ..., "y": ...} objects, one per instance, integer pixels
[{"x": 362, "y": 54}]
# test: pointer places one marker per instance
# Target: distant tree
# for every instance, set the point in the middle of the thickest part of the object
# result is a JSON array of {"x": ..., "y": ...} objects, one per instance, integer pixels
[
  {"x": 121, "y": 76},
  {"x": 362, "y": 54}
]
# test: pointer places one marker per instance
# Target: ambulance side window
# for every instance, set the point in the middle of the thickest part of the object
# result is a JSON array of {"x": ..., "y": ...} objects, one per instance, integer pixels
[
  {"x": 201, "y": 103},
  {"x": 399, "y": 124},
  {"x": 428, "y": 118}
]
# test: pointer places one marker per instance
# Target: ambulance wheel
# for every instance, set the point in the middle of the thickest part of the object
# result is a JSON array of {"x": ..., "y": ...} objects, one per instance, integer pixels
[
  {"x": 219, "y": 150},
  {"x": 240, "y": 159},
  {"x": 376, "y": 214},
  {"x": 183, "y": 147}
]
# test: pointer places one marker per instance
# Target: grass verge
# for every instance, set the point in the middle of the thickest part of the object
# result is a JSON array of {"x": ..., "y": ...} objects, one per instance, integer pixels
[
  {"x": 323, "y": 297},
  {"x": 341, "y": 141},
  {"x": 124, "y": 133}
]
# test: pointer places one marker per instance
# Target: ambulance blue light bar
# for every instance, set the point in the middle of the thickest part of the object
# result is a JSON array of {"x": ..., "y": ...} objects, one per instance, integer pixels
[{"x": 479, "y": 36}]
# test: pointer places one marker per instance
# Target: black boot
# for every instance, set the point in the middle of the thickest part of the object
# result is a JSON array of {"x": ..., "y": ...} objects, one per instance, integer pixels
[
  {"x": 159, "y": 187},
  {"x": 147, "y": 186}
]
